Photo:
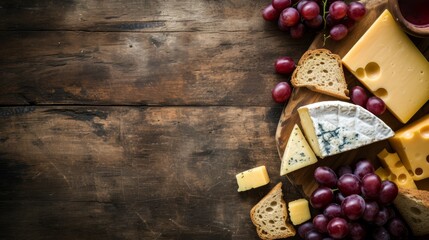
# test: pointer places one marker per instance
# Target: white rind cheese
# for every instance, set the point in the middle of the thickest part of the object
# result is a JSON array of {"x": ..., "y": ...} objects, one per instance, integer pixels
[
  {"x": 298, "y": 153},
  {"x": 333, "y": 127}
]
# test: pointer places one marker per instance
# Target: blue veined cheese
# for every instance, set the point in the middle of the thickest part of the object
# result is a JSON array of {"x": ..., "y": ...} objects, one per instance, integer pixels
[
  {"x": 298, "y": 153},
  {"x": 333, "y": 127}
]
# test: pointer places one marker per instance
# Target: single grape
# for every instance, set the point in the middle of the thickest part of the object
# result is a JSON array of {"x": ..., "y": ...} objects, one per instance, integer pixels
[
  {"x": 330, "y": 22},
  {"x": 321, "y": 197},
  {"x": 339, "y": 197},
  {"x": 375, "y": 105},
  {"x": 289, "y": 17},
  {"x": 349, "y": 184},
  {"x": 349, "y": 23},
  {"x": 284, "y": 65},
  {"x": 371, "y": 185},
  {"x": 353, "y": 206},
  {"x": 313, "y": 235},
  {"x": 397, "y": 228},
  {"x": 338, "y": 228},
  {"x": 332, "y": 210},
  {"x": 388, "y": 192},
  {"x": 344, "y": 169},
  {"x": 338, "y": 10},
  {"x": 358, "y": 96},
  {"x": 315, "y": 22},
  {"x": 279, "y": 5},
  {"x": 380, "y": 233},
  {"x": 281, "y": 92},
  {"x": 362, "y": 168},
  {"x": 270, "y": 13},
  {"x": 325, "y": 176},
  {"x": 320, "y": 222},
  {"x": 304, "y": 228},
  {"x": 357, "y": 231},
  {"x": 356, "y": 11},
  {"x": 310, "y": 10},
  {"x": 338, "y": 32},
  {"x": 371, "y": 211},
  {"x": 301, "y": 4},
  {"x": 382, "y": 216},
  {"x": 281, "y": 26},
  {"x": 297, "y": 31}
]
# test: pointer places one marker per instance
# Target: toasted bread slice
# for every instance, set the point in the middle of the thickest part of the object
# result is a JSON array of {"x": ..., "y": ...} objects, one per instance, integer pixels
[
  {"x": 321, "y": 71},
  {"x": 270, "y": 215},
  {"x": 413, "y": 204}
]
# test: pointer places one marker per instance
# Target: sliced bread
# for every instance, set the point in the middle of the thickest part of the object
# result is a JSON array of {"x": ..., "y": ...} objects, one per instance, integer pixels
[
  {"x": 321, "y": 71},
  {"x": 270, "y": 215},
  {"x": 413, "y": 204}
]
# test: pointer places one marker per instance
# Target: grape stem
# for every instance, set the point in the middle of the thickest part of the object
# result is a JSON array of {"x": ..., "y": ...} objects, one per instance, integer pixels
[
  {"x": 325, "y": 37},
  {"x": 324, "y": 14}
]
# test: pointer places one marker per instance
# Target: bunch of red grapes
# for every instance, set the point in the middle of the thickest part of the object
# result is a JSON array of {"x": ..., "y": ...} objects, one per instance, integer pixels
[
  {"x": 296, "y": 16},
  {"x": 353, "y": 205},
  {"x": 372, "y": 104}
]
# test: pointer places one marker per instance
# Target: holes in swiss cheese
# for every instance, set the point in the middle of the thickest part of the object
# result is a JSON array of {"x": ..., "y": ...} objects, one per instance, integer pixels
[
  {"x": 381, "y": 92},
  {"x": 372, "y": 71},
  {"x": 424, "y": 132},
  {"x": 418, "y": 171}
]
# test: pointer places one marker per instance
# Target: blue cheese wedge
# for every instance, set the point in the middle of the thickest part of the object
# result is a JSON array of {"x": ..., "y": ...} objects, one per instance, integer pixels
[
  {"x": 298, "y": 153},
  {"x": 333, "y": 127}
]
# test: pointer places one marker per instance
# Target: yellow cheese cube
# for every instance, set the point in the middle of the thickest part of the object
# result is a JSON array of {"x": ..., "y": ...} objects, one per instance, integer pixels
[
  {"x": 412, "y": 145},
  {"x": 299, "y": 211},
  {"x": 386, "y": 61},
  {"x": 382, "y": 173},
  {"x": 252, "y": 178},
  {"x": 398, "y": 173}
]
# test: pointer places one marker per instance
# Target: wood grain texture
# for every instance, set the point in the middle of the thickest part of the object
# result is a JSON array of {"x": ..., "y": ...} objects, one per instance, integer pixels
[{"x": 133, "y": 173}]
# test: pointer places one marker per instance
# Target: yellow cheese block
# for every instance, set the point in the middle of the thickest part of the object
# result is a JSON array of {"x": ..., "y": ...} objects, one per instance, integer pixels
[
  {"x": 252, "y": 178},
  {"x": 412, "y": 145},
  {"x": 299, "y": 211},
  {"x": 391, "y": 67},
  {"x": 382, "y": 173},
  {"x": 397, "y": 172}
]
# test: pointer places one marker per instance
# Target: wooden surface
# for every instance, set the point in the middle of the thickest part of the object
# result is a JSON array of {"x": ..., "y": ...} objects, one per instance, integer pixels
[
  {"x": 129, "y": 119},
  {"x": 303, "y": 96}
]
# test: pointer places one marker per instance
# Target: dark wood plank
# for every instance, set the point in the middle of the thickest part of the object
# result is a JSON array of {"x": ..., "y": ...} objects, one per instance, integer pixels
[
  {"x": 128, "y": 172},
  {"x": 199, "y": 68}
]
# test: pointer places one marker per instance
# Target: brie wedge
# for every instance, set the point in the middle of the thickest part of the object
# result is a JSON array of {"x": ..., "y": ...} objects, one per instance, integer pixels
[
  {"x": 333, "y": 127},
  {"x": 298, "y": 153}
]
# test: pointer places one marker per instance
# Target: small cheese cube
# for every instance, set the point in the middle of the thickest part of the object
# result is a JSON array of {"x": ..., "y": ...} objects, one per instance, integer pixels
[
  {"x": 398, "y": 173},
  {"x": 252, "y": 178},
  {"x": 299, "y": 211},
  {"x": 412, "y": 145},
  {"x": 382, "y": 173}
]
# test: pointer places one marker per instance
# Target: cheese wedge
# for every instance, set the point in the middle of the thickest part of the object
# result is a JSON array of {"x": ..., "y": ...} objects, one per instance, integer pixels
[
  {"x": 252, "y": 178},
  {"x": 333, "y": 127},
  {"x": 386, "y": 61},
  {"x": 412, "y": 145},
  {"x": 298, "y": 153},
  {"x": 397, "y": 172}
]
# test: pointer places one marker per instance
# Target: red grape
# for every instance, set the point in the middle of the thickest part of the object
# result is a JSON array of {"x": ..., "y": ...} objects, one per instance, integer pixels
[
  {"x": 281, "y": 26},
  {"x": 279, "y": 5},
  {"x": 310, "y": 10},
  {"x": 338, "y": 228},
  {"x": 358, "y": 96},
  {"x": 388, "y": 192},
  {"x": 297, "y": 31},
  {"x": 320, "y": 222},
  {"x": 353, "y": 206},
  {"x": 380, "y": 233},
  {"x": 304, "y": 228},
  {"x": 284, "y": 65},
  {"x": 382, "y": 216},
  {"x": 362, "y": 168},
  {"x": 321, "y": 197},
  {"x": 330, "y": 22},
  {"x": 356, "y": 11},
  {"x": 315, "y": 22},
  {"x": 313, "y": 235},
  {"x": 375, "y": 105},
  {"x": 270, "y": 13},
  {"x": 332, "y": 210},
  {"x": 325, "y": 176},
  {"x": 397, "y": 228},
  {"x": 371, "y": 211},
  {"x": 338, "y": 10},
  {"x": 289, "y": 17},
  {"x": 349, "y": 184},
  {"x": 338, "y": 32},
  {"x": 281, "y": 92},
  {"x": 349, "y": 23},
  {"x": 301, "y": 4},
  {"x": 357, "y": 231},
  {"x": 371, "y": 185}
]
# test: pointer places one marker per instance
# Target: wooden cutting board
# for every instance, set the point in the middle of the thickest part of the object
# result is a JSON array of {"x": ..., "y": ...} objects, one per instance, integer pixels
[{"x": 303, "y": 178}]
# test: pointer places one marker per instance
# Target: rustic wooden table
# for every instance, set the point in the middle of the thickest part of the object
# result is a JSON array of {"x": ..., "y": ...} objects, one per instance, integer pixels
[{"x": 129, "y": 119}]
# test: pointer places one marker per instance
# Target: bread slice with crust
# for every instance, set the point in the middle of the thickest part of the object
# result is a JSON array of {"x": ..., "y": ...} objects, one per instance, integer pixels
[
  {"x": 320, "y": 70},
  {"x": 270, "y": 216},
  {"x": 413, "y": 204}
]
